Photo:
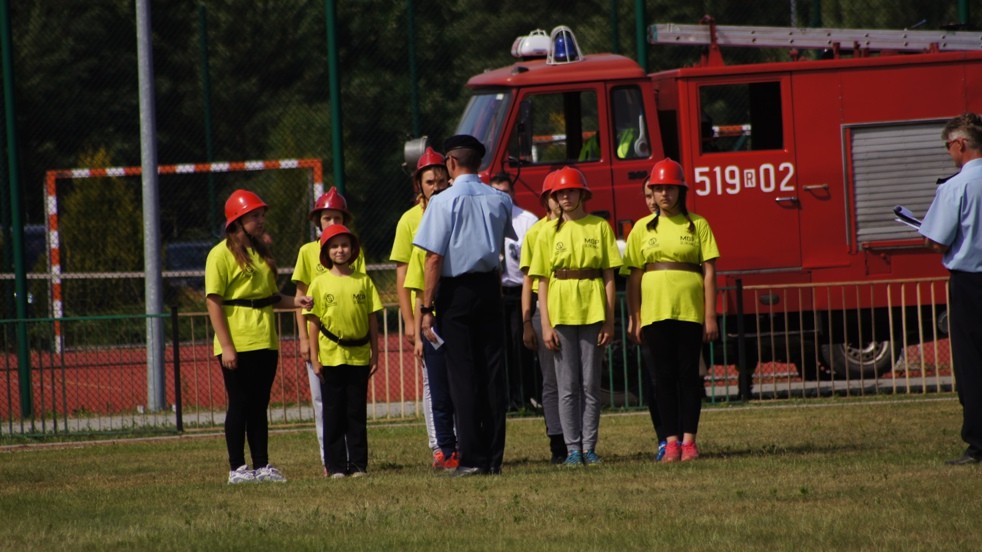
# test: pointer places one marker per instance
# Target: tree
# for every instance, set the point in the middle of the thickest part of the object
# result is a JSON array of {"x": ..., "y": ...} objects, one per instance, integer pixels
[{"x": 101, "y": 230}]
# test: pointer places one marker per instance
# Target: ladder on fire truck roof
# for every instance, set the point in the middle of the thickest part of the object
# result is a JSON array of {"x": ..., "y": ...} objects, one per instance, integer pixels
[{"x": 708, "y": 33}]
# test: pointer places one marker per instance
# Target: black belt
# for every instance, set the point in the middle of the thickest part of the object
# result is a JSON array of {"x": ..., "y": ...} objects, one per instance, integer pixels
[
  {"x": 254, "y": 303},
  {"x": 343, "y": 341}
]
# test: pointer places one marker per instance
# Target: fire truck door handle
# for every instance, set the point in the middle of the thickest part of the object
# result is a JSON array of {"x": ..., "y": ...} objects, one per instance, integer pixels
[
  {"x": 792, "y": 199},
  {"x": 813, "y": 187}
]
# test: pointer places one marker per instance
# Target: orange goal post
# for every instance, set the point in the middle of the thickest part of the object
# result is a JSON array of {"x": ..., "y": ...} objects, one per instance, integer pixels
[{"x": 314, "y": 168}]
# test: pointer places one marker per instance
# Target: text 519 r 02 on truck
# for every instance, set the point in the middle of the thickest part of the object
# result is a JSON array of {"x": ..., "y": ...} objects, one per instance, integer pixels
[{"x": 796, "y": 164}]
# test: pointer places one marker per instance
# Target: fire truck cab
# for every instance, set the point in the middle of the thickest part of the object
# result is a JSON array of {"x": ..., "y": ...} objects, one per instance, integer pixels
[{"x": 796, "y": 164}]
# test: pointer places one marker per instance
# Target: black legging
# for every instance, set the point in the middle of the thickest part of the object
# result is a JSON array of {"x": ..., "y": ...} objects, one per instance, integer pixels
[
  {"x": 248, "y": 388},
  {"x": 345, "y": 389},
  {"x": 675, "y": 347}
]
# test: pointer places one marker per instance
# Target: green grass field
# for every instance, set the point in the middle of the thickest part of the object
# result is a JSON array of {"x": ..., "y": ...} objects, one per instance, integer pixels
[{"x": 822, "y": 475}]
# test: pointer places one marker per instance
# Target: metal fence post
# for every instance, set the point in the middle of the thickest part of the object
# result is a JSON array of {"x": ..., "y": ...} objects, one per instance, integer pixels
[
  {"x": 176, "y": 336},
  {"x": 743, "y": 370}
]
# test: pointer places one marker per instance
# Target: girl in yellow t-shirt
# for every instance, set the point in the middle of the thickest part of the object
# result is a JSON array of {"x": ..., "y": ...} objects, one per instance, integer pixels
[
  {"x": 344, "y": 354},
  {"x": 330, "y": 208},
  {"x": 648, "y": 380},
  {"x": 430, "y": 178},
  {"x": 240, "y": 289},
  {"x": 672, "y": 303},
  {"x": 532, "y": 325},
  {"x": 575, "y": 261}
]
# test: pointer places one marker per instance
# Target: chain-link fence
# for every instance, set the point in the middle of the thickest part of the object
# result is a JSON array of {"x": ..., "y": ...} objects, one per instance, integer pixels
[
  {"x": 96, "y": 381},
  {"x": 240, "y": 80}
]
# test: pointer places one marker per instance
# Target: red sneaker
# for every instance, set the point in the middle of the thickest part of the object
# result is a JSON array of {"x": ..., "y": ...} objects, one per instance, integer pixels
[
  {"x": 453, "y": 462},
  {"x": 689, "y": 451},
  {"x": 673, "y": 452},
  {"x": 439, "y": 461}
]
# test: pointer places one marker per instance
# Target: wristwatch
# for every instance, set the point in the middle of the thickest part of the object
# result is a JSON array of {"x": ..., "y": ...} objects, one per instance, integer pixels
[{"x": 426, "y": 310}]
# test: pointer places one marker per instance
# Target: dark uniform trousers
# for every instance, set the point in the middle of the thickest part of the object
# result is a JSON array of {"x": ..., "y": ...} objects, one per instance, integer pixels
[
  {"x": 964, "y": 307},
  {"x": 470, "y": 314}
]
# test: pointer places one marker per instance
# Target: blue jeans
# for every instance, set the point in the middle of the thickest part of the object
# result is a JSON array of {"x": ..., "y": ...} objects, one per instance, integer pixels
[{"x": 435, "y": 361}]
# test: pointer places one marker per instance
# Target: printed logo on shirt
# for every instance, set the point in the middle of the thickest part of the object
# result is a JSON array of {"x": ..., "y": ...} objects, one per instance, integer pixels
[
  {"x": 358, "y": 298},
  {"x": 560, "y": 246},
  {"x": 687, "y": 239},
  {"x": 320, "y": 269},
  {"x": 592, "y": 243},
  {"x": 653, "y": 241},
  {"x": 329, "y": 299}
]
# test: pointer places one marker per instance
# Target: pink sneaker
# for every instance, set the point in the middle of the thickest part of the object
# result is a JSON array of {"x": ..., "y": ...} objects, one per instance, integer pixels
[
  {"x": 673, "y": 452},
  {"x": 689, "y": 451}
]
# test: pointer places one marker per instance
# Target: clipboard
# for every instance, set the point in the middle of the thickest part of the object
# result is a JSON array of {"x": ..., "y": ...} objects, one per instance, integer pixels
[{"x": 905, "y": 216}]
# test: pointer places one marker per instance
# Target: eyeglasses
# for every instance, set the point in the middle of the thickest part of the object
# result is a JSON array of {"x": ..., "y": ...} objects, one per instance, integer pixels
[{"x": 948, "y": 143}]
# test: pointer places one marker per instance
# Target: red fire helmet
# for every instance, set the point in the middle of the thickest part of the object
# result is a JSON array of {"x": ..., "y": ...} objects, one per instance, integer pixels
[
  {"x": 331, "y": 200},
  {"x": 430, "y": 158},
  {"x": 667, "y": 172},
  {"x": 547, "y": 184},
  {"x": 240, "y": 203},
  {"x": 570, "y": 178},
  {"x": 335, "y": 230}
]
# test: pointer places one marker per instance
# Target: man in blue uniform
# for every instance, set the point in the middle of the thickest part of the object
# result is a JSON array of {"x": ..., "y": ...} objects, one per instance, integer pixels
[
  {"x": 463, "y": 231},
  {"x": 953, "y": 227}
]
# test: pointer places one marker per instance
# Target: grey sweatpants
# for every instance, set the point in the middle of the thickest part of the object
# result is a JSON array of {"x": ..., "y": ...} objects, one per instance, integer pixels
[
  {"x": 550, "y": 395},
  {"x": 578, "y": 365}
]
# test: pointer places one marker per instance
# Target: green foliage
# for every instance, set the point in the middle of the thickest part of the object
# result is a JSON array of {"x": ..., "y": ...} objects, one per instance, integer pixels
[
  {"x": 75, "y": 77},
  {"x": 101, "y": 229}
]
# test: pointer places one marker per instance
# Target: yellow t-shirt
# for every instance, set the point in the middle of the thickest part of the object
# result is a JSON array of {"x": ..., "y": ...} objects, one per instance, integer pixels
[
  {"x": 584, "y": 243},
  {"x": 343, "y": 305},
  {"x": 251, "y": 329},
  {"x": 671, "y": 294},
  {"x": 309, "y": 265},
  {"x": 415, "y": 278},
  {"x": 402, "y": 245},
  {"x": 528, "y": 248}
]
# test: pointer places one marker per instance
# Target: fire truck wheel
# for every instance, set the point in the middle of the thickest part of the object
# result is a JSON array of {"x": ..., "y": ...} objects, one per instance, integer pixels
[{"x": 849, "y": 361}]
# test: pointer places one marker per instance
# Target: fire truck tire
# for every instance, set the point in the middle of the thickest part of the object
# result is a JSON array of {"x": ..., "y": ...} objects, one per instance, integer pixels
[{"x": 848, "y": 361}]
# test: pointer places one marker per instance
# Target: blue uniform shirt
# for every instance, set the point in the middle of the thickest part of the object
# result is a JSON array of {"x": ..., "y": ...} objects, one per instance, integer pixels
[
  {"x": 466, "y": 225},
  {"x": 955, "y": 219}
]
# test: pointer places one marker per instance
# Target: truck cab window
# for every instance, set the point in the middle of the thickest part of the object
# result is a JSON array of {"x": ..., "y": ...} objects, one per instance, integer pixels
[
  {"x": 630, "y": 135},
  {"x": 483, "y": 118},
  {"x": 563, "y": 128},
  {"x": 741, "y": 117}
]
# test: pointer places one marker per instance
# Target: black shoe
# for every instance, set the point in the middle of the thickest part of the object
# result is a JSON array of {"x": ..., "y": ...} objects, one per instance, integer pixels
[
  {"x": 964, "y": 459},
  {"x": 557, "y": 446},
  {"x": 462, "y": 471}
]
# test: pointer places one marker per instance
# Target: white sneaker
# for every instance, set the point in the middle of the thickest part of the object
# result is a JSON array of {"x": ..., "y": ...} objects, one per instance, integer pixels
[
  {"x": 242, "y": 474},
  {"x": 339, "y": 475},
  {"x": 269, "y": 473}
]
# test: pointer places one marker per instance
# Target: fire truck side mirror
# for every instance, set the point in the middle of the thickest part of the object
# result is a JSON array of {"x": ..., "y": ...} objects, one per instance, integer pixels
[{"x": 412, "y": 150}]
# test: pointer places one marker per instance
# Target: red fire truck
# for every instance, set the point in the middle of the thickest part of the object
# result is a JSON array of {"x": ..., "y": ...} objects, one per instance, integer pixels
[{"x": 796, "y": 164}]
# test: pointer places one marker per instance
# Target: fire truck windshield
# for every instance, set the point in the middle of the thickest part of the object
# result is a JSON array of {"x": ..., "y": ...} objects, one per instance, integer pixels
[{"x": 483, "y": 119}]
